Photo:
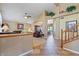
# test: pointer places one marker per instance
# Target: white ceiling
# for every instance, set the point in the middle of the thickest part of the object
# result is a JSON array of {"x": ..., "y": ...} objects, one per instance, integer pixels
[{"x": 15, "y": 11}]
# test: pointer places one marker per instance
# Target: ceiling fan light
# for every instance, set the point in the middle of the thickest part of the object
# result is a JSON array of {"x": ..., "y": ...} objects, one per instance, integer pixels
[{"x": 25, "y": 17}]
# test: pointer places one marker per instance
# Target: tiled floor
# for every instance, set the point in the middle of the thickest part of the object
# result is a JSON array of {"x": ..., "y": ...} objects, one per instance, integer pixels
[
  {"x": 74, "y": 45},
  {"x": 52, "y": 48}
]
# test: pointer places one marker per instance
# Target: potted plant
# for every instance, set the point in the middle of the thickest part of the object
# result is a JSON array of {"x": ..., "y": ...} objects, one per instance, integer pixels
[
  {"x": 70, "y": 8},
  {"x": 51, "y": 14}
]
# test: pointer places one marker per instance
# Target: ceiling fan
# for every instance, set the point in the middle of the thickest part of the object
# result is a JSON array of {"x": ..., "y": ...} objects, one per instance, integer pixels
[{"x": 27, "y": 16}]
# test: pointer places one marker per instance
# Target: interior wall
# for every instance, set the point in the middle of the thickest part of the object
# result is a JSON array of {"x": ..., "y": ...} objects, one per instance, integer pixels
[
  {"x": 68, "y": 18},
  {"x": 56, "y": 25},
  {"x": 13, "y": 26}
]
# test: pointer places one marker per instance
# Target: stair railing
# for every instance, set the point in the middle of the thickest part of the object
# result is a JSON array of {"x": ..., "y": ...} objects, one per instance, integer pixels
[{"x": 68, "y": 36}]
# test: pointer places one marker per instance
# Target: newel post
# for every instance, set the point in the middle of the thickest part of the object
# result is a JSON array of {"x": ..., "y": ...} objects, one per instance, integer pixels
[{"x": 61, "y": 39}]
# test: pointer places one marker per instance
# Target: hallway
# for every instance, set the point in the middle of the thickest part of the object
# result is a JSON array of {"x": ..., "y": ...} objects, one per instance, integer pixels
[{"x": 52, "y": 48}]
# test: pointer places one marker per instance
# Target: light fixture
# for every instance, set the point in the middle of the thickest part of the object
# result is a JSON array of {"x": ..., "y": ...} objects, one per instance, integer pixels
[{"x": 26, "y": 16}]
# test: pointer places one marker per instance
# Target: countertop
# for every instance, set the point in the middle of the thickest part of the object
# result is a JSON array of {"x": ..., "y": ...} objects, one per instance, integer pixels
[{"x": 15, "y": 34}]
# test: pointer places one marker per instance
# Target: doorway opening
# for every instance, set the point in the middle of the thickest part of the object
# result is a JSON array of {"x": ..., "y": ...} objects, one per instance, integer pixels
[{"x": 50, "y": 27}]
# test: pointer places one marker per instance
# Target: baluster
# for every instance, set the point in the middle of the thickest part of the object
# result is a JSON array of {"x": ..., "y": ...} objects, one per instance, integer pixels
[
  {"x": 65, "y": 36},
  {"x": 77, "y": 31},
  {"x": 61, "y": 38},
  {"x": 68, "y": 36},
  {"x": 73, "y": 35}
]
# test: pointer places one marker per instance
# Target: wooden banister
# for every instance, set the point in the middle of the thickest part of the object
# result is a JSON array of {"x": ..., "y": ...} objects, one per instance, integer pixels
[{"x": 68, "y": 36}]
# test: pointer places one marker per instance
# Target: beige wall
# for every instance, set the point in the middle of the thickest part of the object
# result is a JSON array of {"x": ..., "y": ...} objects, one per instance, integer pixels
[
  {"x": 56, "y": 25},
  {"x": 13, "y": 26},
  {"x": 68, "y": 18}
]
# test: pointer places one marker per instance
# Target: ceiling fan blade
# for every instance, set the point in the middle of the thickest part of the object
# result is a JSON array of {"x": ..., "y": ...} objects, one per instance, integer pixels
[{"x": 28, "y": 16}]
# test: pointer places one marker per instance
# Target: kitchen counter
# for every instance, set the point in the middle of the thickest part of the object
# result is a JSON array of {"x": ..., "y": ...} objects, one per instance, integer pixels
[
  {"x": 15, "y": 44},
  {"x": 14, "y": 34}
]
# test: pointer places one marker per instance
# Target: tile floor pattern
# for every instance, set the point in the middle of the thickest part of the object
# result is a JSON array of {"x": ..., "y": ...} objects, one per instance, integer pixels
[{"x": 51, "y": 48}]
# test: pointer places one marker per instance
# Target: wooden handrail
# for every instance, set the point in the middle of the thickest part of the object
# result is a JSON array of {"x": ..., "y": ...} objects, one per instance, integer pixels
[{"x": 68, "y": 36}]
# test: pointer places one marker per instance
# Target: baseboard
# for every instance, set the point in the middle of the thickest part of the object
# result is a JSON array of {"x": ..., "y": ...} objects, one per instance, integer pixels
[
  {"x": 76, "y": 52},
  {"x": 26, "y": 53}
]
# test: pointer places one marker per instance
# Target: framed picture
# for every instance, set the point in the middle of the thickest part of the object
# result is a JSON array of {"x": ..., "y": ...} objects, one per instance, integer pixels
[
  {"x": 20, "y": 26},
  {"x": 71, "y": 25}
]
